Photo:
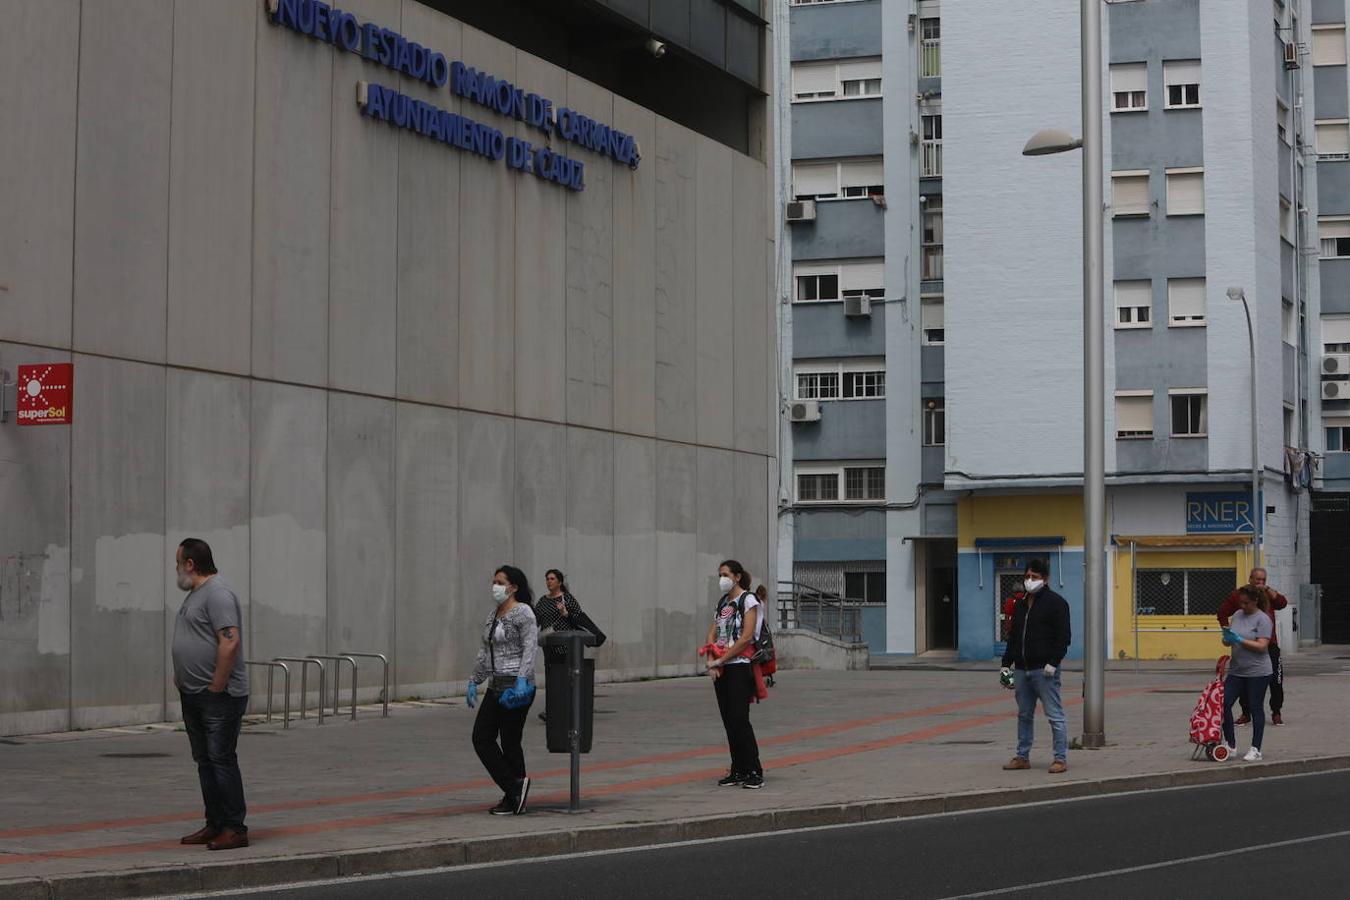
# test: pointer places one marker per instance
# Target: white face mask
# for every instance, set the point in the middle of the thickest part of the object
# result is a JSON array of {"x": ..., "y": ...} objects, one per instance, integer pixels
[
  {"x": 725, "y": 584},
  {"x": 1032, "y": 585},
  {"x": 499, "y": 594}
]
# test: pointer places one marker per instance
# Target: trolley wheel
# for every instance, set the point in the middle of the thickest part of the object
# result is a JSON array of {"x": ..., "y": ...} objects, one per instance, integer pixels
[{"x": 1219, "y": 752}]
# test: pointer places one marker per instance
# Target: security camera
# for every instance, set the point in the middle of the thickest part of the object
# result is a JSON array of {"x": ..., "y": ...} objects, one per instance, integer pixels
[{"x": 655, "y": 48}]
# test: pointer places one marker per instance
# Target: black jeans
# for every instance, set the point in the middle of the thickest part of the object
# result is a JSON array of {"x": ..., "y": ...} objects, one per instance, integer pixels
[
  {"x": 505, "y": 763},
  {"x": 735, "y": 688},
  {"x": 213, "y": 722},
  {"x": 1276, "y": 684}
]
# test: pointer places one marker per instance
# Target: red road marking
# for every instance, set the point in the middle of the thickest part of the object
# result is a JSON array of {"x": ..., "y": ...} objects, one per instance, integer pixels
[
  {"x": 431, "y": 790},
  {"x": 602, "y": 790}
]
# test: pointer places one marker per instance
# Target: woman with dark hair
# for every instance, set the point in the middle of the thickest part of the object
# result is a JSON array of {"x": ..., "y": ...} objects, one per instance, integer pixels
[
  {"x": 1248, "y": 632},
  {"x": 558, "y": 610},
  {"x": 506, "y": 663},
  {"x": 729, "y": 648}
]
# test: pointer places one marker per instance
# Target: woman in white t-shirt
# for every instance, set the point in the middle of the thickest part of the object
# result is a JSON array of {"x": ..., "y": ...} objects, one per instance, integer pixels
[{"x": 728, "y": 650}]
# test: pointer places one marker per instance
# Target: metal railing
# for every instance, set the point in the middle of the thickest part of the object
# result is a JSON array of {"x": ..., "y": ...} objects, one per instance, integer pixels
[
  {"x": 337, "y": 676},
  {"x": 384, "y": 660},
  {"x": 272, "y": 666},
  {"x": 806, "y": 607},
  {"x": 930, "y": 159},
  {"x": 305, "y": 662},
  {"x": 930, "y": 58}
]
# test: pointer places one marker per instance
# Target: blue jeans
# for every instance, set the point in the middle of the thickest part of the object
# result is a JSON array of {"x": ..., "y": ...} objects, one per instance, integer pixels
[
  {"x": 1035, "y": 685},
  {"x": 1251, "y": 690},
  {"x": 213, "y": 722}
]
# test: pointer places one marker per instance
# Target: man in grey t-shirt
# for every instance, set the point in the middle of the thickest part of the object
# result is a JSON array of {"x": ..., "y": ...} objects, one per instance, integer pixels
[{"x": 212, "y": 682}]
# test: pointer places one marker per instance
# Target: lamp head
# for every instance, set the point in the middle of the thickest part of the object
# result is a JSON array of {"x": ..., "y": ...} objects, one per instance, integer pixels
[
  {"x": 1050, "y": 140},
  {"x": 1236, "y": 294}
]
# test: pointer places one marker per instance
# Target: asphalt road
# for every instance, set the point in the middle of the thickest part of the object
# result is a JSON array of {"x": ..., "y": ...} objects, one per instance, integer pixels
[{"x": 1196, "y": 842}]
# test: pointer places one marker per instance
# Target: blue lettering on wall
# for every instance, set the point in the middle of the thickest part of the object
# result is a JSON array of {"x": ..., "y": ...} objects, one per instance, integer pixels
[
  {"x": 342, "y": 29},
  {"x": 324, "y": 22}
]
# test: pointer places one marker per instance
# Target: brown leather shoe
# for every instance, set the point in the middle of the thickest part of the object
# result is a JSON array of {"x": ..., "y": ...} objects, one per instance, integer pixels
[
  {"x": 1057, "y": 767},
  {"x": 229, "y": 839},
  {"x": 1017, "y": 762},
  {"x": 201, "y": 835}
]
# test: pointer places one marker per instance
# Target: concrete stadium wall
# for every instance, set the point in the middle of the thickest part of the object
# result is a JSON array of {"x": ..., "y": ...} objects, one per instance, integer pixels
[{"x": 366, "y": 367}]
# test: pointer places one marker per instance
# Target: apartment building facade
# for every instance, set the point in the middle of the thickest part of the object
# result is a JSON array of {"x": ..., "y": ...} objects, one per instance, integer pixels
[
  {"x": 1211, "y": 194},
  {"x": 863, "y": 512},
  {"x": 1325, "y": 48}
]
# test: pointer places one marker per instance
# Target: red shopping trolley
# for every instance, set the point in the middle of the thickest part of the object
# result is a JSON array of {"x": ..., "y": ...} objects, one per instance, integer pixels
[{"x": 1207, "y": 720}]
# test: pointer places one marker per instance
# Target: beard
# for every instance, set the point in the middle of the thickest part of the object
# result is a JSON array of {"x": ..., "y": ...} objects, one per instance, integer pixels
[{"x": 185, "y": 582}]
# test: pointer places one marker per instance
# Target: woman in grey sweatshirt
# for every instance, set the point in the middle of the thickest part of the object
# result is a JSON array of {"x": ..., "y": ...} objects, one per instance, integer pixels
[{"x": 510, "y": 638}]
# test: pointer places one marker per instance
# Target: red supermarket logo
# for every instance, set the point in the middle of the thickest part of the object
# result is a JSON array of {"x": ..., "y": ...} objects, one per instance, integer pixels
[{"x": 45, "y": 394}]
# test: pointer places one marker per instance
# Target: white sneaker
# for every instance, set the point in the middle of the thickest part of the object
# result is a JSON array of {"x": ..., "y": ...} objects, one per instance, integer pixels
[{"x": 1253, "y": 755}]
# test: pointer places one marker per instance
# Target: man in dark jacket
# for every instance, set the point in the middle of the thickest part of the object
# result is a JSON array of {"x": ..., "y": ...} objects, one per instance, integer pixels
[
  {"x": 1274, "y": 601},
  {"x": 1037, "y": 642}
]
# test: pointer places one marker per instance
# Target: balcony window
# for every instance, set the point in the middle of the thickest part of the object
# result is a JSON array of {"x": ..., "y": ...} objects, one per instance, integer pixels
[
  {"x": 930, "y": 148},
  {"x": 930, "y": 48}
]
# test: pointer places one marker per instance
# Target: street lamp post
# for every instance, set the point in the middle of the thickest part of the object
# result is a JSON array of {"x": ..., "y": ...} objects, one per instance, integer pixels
[
  {"x": 1258, "y": 511},
  {"x": 1094, "y": 371}
]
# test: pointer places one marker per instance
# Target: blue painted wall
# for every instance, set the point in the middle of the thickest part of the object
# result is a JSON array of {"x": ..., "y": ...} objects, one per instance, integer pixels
[
  {"x": 848, "y": 429},
  {"x": 976, "y": 635},
  {"x": 828, "y": 535},
  {"x": 821, "y": 330},
  {"x": 844, "y": 229},
  {"x": 835, "y": 30},
  {"x": 836, "y": 128}
]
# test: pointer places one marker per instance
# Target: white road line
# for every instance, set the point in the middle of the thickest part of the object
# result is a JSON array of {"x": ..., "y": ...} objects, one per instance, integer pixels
[
  {"x": 1111, "y": 873},
  {"x": 586, "y": 854}
]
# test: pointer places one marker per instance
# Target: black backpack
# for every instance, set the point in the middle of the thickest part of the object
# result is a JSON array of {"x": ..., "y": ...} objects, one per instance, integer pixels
[{"x": 765, "y": 654}]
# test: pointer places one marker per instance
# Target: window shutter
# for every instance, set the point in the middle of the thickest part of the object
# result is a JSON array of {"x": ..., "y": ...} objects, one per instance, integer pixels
[
  {"x": 1134, "y": 293},
  {"x": 1336, "y": 331},
  {"x": 859, "y": 68},
  {"x": 814, "y": 78},
  {"x": 1129, "y": 77},
  {"x": 1182, "y": 72},
  {"x": 861, "y": 174},
  {"x": 815, "y": 180},
  {"x": 1336, "y": 228},
  {"x": 1333, "y": 138},
  {"x": 932, "y": 314},
  {"x": 1129, "y": 194},
  {"x": 1328, "y": 46},
  {"x": 1134, "y": 414},
  {"x": 1185, "y": 193},
  {"x": 1186, "y": 299},
  {"x": 862, "y": 276}
]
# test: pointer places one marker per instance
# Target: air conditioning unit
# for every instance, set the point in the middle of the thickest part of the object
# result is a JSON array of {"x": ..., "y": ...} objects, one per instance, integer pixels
[
  {"x": 1336, "y": 364},
  {"x": 858, "y": 307},
  {"x": 801, "y": 211},
  {"x": 1291, "y": 55},
  {"x": 1336, "y": 390},
  {"x": 804, "y": 411}
]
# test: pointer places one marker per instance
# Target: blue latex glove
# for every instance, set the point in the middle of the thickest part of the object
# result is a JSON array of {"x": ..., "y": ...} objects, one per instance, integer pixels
[
  {"x": 518, "y": 695},
  {"x": 1231, "y": 637},
  {"x": 471, "y": 695}
]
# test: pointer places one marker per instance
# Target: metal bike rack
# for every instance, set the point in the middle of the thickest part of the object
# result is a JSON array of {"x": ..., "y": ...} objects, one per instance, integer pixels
[
  {"x": 286, "y": 688},
  {"x": 384, "y": 694},
  {"x": 337, "y": 677},
  {"x": 305, "y": 663}
]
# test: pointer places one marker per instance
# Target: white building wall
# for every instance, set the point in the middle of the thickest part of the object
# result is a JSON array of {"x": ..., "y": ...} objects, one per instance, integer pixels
[
  {"x": 1013, "y": 243},
  {"x": 366, "y": 368},
  {"x": 1242, "y": 229}
]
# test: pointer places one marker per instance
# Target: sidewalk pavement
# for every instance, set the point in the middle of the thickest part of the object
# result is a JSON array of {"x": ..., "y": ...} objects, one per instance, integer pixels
[{"x": 99, "y": 813}]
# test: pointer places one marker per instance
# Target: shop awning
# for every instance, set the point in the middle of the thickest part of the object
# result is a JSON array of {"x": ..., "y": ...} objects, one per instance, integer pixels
[
  {"x": 928, "y": 537},
  {"x": 1182, "y": 540}
]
